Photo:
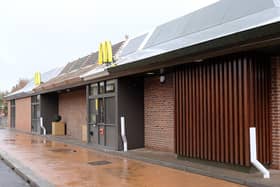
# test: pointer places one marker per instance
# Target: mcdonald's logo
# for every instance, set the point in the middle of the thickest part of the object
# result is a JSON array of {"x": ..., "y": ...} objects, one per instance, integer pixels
[
  {"x": 37, "y": 78},
  {"x": 105, "y": 53}
]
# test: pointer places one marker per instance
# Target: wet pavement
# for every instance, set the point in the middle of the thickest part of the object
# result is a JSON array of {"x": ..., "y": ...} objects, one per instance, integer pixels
[
  {"x": 68, "y": 165},
  {"x": 8, "y": 178}
]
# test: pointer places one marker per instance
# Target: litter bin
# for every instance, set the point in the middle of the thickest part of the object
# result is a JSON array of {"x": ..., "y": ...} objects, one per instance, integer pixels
[{"x": 58, "y": 128}]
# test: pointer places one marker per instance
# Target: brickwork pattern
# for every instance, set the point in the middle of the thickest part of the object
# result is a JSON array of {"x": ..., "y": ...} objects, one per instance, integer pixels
[
  {"x": 275, "y": 112},
  {"x": 23, "y": 114},
  {"x": 72, "y": 108},
  {"x": 159, "y": 113}
]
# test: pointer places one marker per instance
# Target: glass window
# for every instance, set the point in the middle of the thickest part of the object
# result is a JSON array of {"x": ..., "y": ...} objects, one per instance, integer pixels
[
  {"x": 110, "y": 110},
  {"x": 93, "y": 89},
  {"x": 35, "y": 105},
  {"x": 13, "y": 113},
  {"x": 35, "y": 99},
  {"x": 101, "y": 110},
  {"x": 93, "y": 110},
  {"x": 110, "y": 86},
  {"x": 38, "y": 98},
  {"x": 101, "y": 88},
  {"x": 13, "y": 103},
  {"x": 102, "y": 107}
]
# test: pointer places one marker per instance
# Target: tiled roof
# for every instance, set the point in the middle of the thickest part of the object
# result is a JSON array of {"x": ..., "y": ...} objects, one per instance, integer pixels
[
  {"x": 28, "y": 89},
  {"x": 72, "y": 71}
]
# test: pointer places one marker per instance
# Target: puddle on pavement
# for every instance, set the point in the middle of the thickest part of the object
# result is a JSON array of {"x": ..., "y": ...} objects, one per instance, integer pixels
[
  {"x": 63, "y": 150},
  {"x": 9, "y": 140},
  {"x": 37, "y": 142},
  {"x": 99, "y": 163}
]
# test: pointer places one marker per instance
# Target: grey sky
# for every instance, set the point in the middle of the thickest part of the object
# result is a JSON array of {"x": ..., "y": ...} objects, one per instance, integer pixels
[{"x": 38, "y": 35}]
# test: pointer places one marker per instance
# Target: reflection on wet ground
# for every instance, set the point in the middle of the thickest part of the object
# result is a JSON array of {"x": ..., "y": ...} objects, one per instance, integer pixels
[{"x": 67, "y": 165}]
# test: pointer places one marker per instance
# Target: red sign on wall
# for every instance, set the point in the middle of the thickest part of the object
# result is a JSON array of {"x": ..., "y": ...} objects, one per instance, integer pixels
[{"x": 101, "y": 131}]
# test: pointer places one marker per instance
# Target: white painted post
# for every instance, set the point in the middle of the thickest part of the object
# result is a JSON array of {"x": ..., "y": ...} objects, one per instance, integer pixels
[
  {"x": 253, "y": 156},
  {"x": 123, "y": 134}
]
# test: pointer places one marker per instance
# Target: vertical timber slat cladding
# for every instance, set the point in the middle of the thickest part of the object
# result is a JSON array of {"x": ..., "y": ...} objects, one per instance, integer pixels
[
  {"x": 72, "y": 108},
  {"x": 215, "y": 104}
]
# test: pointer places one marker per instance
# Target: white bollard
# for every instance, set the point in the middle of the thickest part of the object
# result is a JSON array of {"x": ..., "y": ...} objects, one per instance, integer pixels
[
  {"x": 123, "y": 134},
  {"x": 253, "y": 156}
]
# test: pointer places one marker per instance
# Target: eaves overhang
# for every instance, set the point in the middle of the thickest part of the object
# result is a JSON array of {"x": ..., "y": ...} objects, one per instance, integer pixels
[{"x": 262, "y": 36}]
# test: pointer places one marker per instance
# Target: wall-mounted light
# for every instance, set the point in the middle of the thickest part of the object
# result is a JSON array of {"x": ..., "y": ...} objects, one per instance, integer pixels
[
  {"x": 162, "y": 79},
  {"x": 162, "y": 76},
  {"x": 150, "y": 73},
  {"x": 198, "y": 60}
]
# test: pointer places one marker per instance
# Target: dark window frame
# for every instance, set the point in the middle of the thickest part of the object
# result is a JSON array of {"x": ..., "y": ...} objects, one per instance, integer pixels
[
  {"x": 102, "y": 96},
  {"x": 35, "y": 109},
  {"x": 13, "y": 113}
]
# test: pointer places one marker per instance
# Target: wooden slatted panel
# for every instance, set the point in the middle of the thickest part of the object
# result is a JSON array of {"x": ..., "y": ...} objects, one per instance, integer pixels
[{"x": 216, "y": 103}]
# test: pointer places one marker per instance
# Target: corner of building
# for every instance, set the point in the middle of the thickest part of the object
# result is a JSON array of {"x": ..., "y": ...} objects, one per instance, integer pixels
[{"x": 275, "y": 111}]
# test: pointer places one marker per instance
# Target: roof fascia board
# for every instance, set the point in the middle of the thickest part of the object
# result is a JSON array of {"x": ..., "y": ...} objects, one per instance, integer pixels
[{"x": 236, "y": 39}]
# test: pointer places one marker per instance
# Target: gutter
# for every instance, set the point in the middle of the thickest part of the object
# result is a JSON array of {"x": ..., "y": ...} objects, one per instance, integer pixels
[{"x": 246, "y": 40}]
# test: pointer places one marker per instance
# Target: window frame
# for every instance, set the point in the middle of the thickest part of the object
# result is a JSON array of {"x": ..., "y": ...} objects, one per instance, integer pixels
[{"x": 102, "y": 96}]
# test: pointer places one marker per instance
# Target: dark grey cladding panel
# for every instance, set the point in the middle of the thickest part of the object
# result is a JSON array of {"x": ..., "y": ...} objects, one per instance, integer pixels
[
  {"x": 223, "y": 11},
  {"x": 133, "y": 45}
]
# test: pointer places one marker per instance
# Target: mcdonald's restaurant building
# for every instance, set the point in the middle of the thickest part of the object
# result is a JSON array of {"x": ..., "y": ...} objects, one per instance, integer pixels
[{"x": 194, "y": 91}]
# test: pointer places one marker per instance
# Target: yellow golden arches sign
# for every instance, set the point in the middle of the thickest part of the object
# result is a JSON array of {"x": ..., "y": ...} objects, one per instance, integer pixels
[
  {"x": 105, "y": 53},
  {"x": 37, "y": 78}
]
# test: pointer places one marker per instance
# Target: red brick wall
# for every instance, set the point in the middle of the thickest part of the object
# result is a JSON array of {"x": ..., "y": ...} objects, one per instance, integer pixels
[
  {"x": 275, "y": 112},
  {"x": 72, "y": 108},
  {"x": 159, "y": 113},
  {"x": 9, "y": 114},
  {"x": 23, "y": 114}
]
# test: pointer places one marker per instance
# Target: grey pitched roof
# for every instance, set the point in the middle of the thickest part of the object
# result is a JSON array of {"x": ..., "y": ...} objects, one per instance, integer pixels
[
  {"x": 28, "y": 89},
  {"x": 70, "y": 75},
  {"x": 218, "y": 20},
  {"x": 87, "y": 60},
  {"x": 133, "y": 45},
  {"x": 214, "y": 15}
]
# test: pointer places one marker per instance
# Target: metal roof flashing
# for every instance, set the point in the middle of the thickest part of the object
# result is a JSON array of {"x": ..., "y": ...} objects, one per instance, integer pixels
[
  {"x": 28, "y": 89},
  {"x": 221, "y": 19}
]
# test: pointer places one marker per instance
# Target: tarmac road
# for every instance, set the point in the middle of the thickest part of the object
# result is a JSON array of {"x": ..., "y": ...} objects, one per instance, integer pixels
[{"x": 8, "y": 178}]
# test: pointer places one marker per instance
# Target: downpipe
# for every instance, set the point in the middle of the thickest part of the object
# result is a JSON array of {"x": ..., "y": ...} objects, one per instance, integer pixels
[
  {"x": 42, "y": 126},
  {"x": 123, "y": 134},
  {"x": 253, "y": 156}
]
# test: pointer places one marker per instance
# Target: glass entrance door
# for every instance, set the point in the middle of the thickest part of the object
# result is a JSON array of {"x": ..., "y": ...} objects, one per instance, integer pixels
[{"x": 102, "y": 114}]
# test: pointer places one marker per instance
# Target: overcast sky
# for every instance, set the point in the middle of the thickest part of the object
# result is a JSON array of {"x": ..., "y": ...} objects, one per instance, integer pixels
[{"x": 38, "y": 35}]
